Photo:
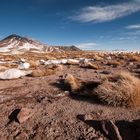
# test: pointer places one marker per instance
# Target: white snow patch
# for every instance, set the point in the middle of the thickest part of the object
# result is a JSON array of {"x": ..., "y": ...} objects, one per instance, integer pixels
[
  {"x": 29, "y": 46},
  {"x": 23, "y": 66},
  {"x": 13, "y": 74}
]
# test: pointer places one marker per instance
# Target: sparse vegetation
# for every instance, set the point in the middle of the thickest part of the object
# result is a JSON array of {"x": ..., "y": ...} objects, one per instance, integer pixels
[{"x": 120, "y": 90}]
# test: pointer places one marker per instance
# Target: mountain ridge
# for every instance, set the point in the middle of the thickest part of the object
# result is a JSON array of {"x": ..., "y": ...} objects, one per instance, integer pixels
[{"x": 17, "y": 44}]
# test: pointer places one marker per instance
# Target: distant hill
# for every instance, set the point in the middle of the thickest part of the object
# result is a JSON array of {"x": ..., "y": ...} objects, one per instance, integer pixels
[{"x": 15, "y": 44}]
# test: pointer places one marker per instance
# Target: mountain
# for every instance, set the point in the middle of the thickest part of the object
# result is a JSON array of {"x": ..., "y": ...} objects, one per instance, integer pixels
[{"x": 15, "y": 44}]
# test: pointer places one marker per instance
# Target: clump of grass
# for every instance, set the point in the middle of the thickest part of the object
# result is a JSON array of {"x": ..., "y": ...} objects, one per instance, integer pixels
[
  {"x": 33, "y": 64},
  {"x": 89, "y": 65},
  {"x": 79, "y": 86},
  {"x": 98, "y": 57},
  {"x": 114, "y": 63},
  {"x": 133, "y": 57},
  {"x": 44, "y": 71},
  {"x": 120, "y": 90}
]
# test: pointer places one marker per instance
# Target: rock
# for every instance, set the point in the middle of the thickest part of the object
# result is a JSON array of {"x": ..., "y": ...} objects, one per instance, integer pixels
[
  {"x": 60, "y": 95},
  {"x": 72, "y": 62},
  {"x": 111, "y": 130},
  {"x": 64, "y": 61},
  {"x": 23, "y": 66},
  {"x": 13, "y": 74},
  {"x": 109, "y": 58},
  {"x": 83, "y": 60},
  {"x": 136, "y": 70},
  {"x": 42, "y": 62},
  {"x": 22, "y": 60},
  {"x": 24, "y": 114},
  {"x": 49, "y": 62},
  {"x": 89, "y": 117},
  {"x": 131, "y": 63},
  {"x": 106, "y": 72}
]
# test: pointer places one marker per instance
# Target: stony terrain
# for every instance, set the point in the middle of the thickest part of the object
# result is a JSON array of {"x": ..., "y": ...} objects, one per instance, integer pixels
[{"x": 41, "y": 106}]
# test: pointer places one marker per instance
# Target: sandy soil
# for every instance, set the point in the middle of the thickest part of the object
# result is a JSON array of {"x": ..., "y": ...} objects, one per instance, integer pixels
[{"x": 55, "y": 113}]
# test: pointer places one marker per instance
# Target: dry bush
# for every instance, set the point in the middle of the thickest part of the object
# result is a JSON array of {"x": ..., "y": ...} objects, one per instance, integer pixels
[
  {"x": 79, "y": 86},
  {"x": 3, "y": 68},
  {"x": 42, "y": 72},
  {"x": 133, "y": 57},
  {"x": 9, "y": 65},
  {"x": 73, "y": 82},
  {"x": 89, "y": 65},
  {"x": 120, "y": 90},
  {"x": 45, "y": 71},
  {"x": 33, "y": 64},
  {"x": 114, "y": 63},
  {"x": 97, "y": 57}
]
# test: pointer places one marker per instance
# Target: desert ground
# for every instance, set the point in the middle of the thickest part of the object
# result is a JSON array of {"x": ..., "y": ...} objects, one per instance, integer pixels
[{"x": 88, "y": 96}]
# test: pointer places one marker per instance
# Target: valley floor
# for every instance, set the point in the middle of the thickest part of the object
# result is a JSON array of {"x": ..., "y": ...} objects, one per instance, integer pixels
[
  {"x": 56, "y": 114},
  {"x": 41, "y": 107}
]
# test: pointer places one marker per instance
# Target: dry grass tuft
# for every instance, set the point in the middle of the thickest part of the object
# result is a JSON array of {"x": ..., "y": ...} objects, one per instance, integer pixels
[
  {"x": 133, "y": 57},
  {"x": 120, "y": 90},
  {"x": 45, "y": 71},
  {"x": 42, "y": 72},
  {"x": 90, "y": 65},
  {"x": 79, "y": 86},
  {"x": 98, "y": 57},
  {"x": 114, "y": 63},
  {"x": 33, "y": 64},
  {"x": 74, "y": 82}
]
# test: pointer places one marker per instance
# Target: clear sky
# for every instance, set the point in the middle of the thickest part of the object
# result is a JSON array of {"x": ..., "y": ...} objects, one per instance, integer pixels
[{"x": 89, "y": 24}]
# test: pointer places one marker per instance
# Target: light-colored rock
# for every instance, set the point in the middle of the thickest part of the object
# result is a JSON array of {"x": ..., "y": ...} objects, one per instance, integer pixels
[
  {"x": 23, "y": 66},
  {"x": 25, "y": 114},
  {"x": 49, "y": 62},
  {"x": 111, "y": 130},
  {"x": 64, "y": 61},
  {"x": 22, "y": 60},
  {"x": 42, "y": 62},
  {"x": 73, "y": 61},
  {"x": 84, "y": 60},
  {"x": 13, "y": 74},
  {"x": 61, "y": 61}
]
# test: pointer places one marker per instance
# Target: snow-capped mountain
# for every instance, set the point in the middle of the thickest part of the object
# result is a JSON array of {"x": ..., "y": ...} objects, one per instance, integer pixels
[{"x": 15, "y": 44}]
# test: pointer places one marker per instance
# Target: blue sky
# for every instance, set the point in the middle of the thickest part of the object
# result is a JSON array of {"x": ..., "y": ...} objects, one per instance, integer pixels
[{"x": 89, "y": 24}]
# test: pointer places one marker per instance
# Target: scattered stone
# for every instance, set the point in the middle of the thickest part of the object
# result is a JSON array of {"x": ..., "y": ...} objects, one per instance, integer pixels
[
  {"x": 109, "y": 58},
  {"x": 24, "y": 114},
  {"x": 23, "y": 66},
  {"x": 66, "y": 92},
  {"x": 136, "y": 70},
  {"x": 42, "y": 62},
  {"x": 89, "y": 117},
  {"x": 60, "y": 95},
  {"x": 40, "y": 98},
  {"x": 106, "y": 72},
  {"x": 111, "y": 130}
]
